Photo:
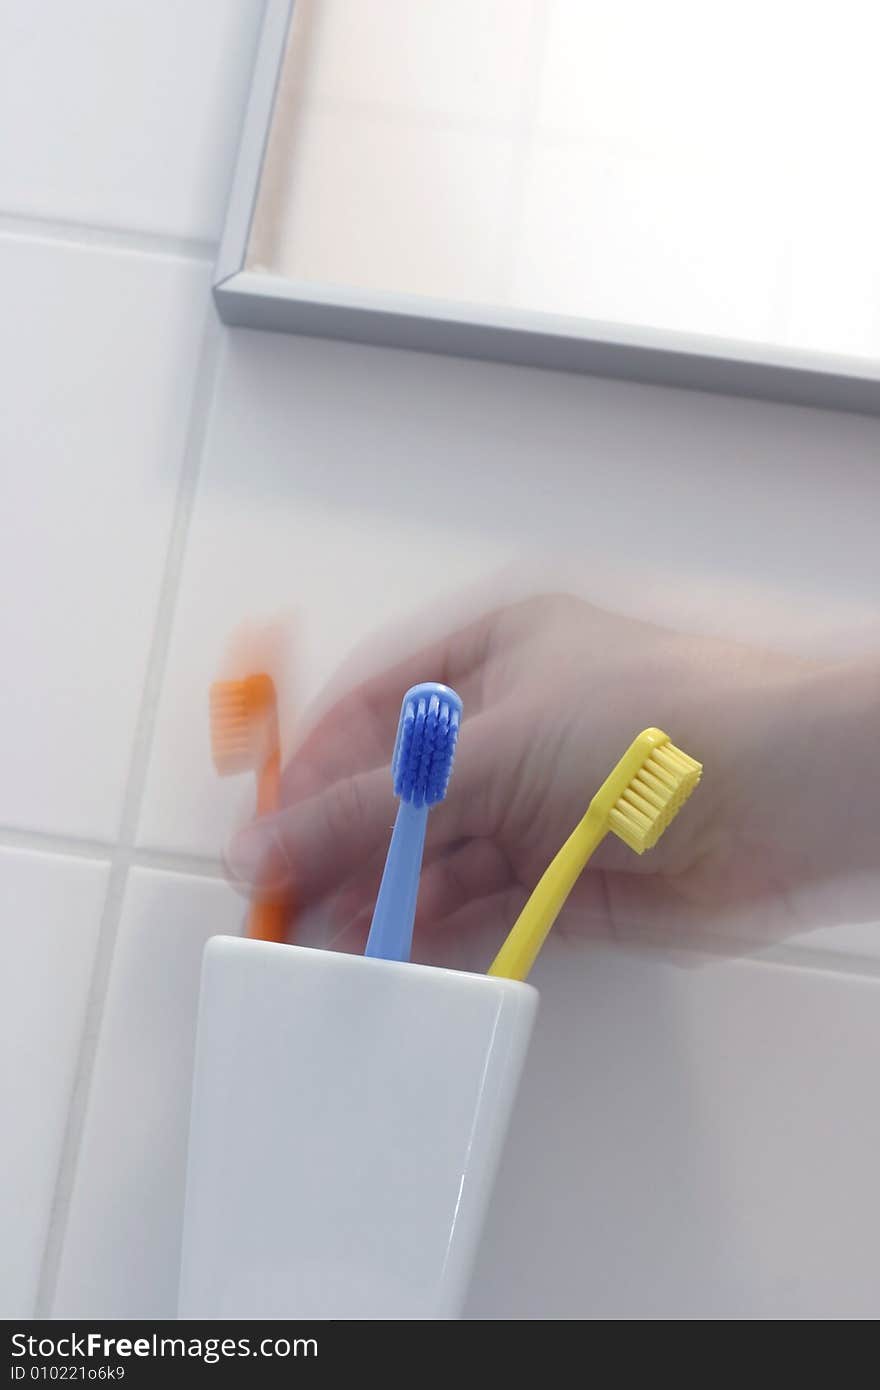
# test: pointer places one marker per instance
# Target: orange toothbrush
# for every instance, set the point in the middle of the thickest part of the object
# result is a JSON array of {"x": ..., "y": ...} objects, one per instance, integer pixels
[{"x": 245, "y": 738}]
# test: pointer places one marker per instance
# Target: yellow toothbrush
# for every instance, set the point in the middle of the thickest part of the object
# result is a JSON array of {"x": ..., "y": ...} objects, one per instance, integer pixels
[{"x": 637, "y": 801}]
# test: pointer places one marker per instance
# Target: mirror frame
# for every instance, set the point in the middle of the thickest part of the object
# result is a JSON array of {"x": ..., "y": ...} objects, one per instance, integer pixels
[{"x": 629, "y": 352}]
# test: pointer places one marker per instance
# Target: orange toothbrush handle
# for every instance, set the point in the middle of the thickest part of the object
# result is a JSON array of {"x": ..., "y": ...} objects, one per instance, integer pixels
[
  {"x": 268, "y": 918},
  {"x": 269, "y": 785},
  {"x": 267, "y": 921}
]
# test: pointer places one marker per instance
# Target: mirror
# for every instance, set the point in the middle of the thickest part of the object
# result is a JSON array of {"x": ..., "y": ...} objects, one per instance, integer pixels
[{"x": 682, "y": 167}]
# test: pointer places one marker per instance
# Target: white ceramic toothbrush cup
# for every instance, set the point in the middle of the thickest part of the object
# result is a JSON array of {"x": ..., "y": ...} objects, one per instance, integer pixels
[{"x": 348, "y": 1116}]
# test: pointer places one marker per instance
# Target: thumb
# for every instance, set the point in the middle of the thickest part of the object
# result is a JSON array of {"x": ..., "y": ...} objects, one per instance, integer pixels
[{"x": 316, "y": 844}]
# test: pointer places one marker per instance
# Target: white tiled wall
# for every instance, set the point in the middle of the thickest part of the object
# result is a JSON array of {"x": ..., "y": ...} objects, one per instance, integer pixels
[
  {"x": 128, "y": 1193},
  {"x": 690, "y": 1143},
  {"x": 696, "y": 1142},
  {"x": 100, "y": 353},
  {"x": 51, "y": 910},
  {"x": 120, "y": 123},
  {"x": 123, "y": 115}
]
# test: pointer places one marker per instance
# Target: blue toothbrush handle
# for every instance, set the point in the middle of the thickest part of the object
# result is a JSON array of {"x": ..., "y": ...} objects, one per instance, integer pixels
[{"x": 392, "y": 926}]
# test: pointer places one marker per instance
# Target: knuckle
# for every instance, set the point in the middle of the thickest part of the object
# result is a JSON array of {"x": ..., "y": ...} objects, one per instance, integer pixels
[{"x": 344, "y": 807}]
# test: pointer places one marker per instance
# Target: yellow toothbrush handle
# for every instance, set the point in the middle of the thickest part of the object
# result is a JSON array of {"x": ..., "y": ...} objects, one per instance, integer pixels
[{"x": 527, "y": 936}]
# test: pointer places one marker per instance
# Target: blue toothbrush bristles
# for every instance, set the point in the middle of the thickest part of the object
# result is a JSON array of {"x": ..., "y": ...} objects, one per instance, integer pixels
[{"x": 425, "y": 748}]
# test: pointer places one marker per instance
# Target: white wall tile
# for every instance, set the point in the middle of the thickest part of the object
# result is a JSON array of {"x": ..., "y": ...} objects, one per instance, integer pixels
[
  {"x": 690, "y": 1143},
  {"x": 125, "y": 115},
  {"x": 99, "y": 352},
  {"x": 121, "y": 1251},
  {"x": 50, "y": 912}
]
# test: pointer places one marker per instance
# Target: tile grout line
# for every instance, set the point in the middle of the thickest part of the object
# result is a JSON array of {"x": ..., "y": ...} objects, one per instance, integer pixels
[
  {"x": 123, "y": 853},
  {"x": 805, "y": 957},
  {"x": 45, "y": 842},
  {"x": 798, "y": 954},
  {"x": 50, "y": 229},
  {"x": 103, "y": 851}
]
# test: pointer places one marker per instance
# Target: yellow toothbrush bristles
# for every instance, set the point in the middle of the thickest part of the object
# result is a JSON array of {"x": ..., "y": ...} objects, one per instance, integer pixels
[
  {"x": 643, "y": 793},
  {"x": 654, "y": 797}
]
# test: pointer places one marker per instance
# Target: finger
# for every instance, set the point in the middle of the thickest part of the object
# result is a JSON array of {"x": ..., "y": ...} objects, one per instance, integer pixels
[
  {"x": 659, "y": 913},
  {"x": 452, "y": 876},
  {"x": 317, "y": 844},
  {"x": 470, "y": 871},
  {"x": 469, "y": 938},
  {"x": 349, "y": 738},
  {"x": 465, "y": 940},
  {"x": 357, "y": 731},
  {"x": 313, "y": 846},
  {"x": 651, "y": 912},
  {"x": 480, "y": 923},
  {"x": 358, "y": 894},
  {"x": 351, "y": 939}
]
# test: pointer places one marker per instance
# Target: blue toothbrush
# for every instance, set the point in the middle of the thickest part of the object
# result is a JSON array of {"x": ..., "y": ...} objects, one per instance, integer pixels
[{"x": 421, "y": 767}]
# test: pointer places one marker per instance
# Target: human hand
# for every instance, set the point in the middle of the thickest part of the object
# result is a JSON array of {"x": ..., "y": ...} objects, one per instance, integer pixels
[{"x": 554, "y": 690}]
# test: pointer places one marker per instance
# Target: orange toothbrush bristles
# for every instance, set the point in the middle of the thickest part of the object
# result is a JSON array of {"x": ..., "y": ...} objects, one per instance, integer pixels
[{"x": 245, "y": 738}]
